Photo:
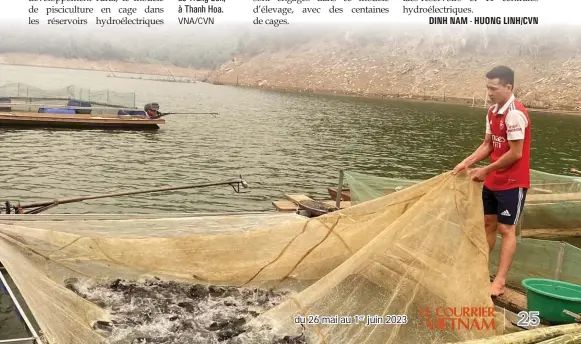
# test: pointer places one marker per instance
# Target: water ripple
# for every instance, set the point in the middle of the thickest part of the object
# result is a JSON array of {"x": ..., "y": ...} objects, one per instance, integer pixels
[{"x": 280, "y": 143}]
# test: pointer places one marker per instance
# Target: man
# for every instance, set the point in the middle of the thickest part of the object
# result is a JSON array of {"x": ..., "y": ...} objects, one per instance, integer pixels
[
  {"x": 152, "y": 110},
  {"x": 507, "y": 178}
]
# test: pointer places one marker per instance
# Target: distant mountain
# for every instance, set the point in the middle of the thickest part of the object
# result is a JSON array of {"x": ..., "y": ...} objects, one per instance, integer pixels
[
  {"x": 402, "y": 61},
  {"x": 429, "y": 62}
]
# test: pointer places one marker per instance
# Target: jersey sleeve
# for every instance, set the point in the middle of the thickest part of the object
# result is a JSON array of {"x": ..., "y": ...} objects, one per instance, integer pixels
[
  {"x": 516, "y": 122},
  {"x": 488, "y": 131}
]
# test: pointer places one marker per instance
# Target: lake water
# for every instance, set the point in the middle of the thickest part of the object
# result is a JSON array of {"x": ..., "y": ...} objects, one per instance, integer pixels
[{"x": 279, "y": 142}]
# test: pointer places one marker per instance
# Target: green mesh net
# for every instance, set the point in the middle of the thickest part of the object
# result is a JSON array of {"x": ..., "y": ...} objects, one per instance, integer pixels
[
  {"x": 365, "y": 187},
  {"x": 537, "y": 258},
  {"x": 20, "y": 90},
  {"x": 553, "y": 203},
  {"x": 24, "y": 92}
]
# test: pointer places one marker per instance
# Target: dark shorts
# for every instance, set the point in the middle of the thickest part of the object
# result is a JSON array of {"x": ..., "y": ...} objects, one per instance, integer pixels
[{"x": 507, "y": 205}]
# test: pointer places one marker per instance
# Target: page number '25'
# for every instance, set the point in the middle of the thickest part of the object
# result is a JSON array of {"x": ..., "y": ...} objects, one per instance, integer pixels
[{"x": 528, "y": 318}]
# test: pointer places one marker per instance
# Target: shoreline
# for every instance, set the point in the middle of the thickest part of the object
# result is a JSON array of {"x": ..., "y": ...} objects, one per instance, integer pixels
[
  {"x": 209, "y": 77},
  {"x": 468, "y": 102},
  {"x": 126, "y": 67},
  {"x": 75, "y": 68}
]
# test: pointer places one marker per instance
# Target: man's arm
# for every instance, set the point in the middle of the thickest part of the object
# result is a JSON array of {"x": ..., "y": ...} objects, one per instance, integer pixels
[
  {"x": 516, "y": 124},
  {"x": 513, "y": 155}
]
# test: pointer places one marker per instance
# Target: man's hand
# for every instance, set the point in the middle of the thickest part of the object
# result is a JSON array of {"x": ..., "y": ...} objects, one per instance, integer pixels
[
  {"x": 459, "y": 168},
  {"x": 478, "y": 174}
]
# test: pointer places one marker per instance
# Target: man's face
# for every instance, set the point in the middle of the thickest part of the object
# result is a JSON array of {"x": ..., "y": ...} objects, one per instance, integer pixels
[{"x": 497, "y": 91}]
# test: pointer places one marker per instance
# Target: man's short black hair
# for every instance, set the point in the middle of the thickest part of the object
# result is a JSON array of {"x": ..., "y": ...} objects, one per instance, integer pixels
[{"x": 502, "y": 73}]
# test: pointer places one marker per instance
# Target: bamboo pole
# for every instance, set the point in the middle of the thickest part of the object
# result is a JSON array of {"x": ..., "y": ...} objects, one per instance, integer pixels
[
  {"x": 53, "y": 106},
  {"x": 573, "y": 338},
  {"x": 530, "y": 336},
  {"x": 485, "y": 98},
  {"x": 339, "y": 190},
  {"x": 85, "y": 198}
]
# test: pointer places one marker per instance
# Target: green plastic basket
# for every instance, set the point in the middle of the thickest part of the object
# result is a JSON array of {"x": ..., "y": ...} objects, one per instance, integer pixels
[{"x": 551, "y": 297}]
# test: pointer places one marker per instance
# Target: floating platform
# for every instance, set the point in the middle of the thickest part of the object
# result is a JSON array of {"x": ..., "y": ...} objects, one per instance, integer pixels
[{"x": 513, "y": 302}]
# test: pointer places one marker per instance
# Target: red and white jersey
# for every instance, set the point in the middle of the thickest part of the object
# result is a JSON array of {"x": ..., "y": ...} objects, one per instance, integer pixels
[{"x": 511, "y": 122}]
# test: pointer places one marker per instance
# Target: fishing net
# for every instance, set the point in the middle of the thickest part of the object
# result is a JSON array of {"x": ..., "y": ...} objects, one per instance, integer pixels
[
  {"x": 27, "y": 91},
  {"x": 400, "y": 257},
  {"x": 538, "y": 258},
  {"x": 552, "y": 211},
  {"x": 32, "y": 94},
  {"x": 552, "y": 203},
  {"x": 363, "y": 187}
]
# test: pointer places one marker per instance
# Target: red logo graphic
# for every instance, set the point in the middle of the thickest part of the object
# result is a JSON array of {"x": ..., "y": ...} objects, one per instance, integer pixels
[{"x": 458, "y": 318}]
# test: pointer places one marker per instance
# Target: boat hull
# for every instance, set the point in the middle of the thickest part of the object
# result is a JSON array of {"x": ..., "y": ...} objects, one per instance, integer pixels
[
  {"x": 34, "y": 120},
  {"x": 345, "y": 194}
]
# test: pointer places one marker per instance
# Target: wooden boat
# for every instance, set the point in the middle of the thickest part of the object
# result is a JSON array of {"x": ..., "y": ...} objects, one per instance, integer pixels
[
  {"x": 75, "y": 115},
  {"x": 345, "y": 194},
  {"x": 78, "y": 121}
]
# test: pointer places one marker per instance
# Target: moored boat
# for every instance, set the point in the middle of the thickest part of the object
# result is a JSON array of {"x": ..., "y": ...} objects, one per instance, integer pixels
[
  {"x": 101, "y": 109},
  {"x": 78, "y": 121},
  {"x": 24, "y": 106},
  {"x": 76, "y": 115},
  {"x": 345, "y": 194}
]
